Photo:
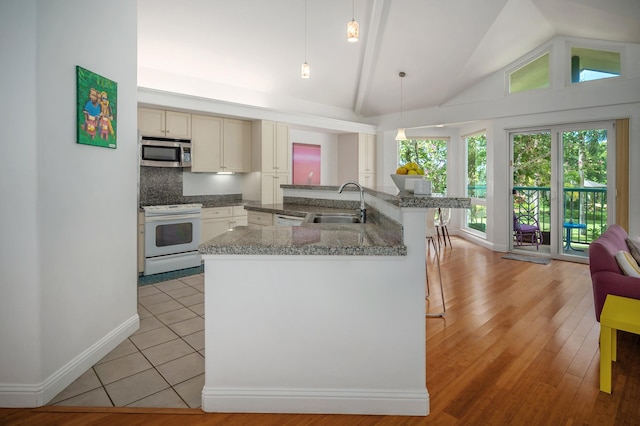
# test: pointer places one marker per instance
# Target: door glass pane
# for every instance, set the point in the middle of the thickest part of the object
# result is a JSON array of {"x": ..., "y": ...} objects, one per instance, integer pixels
[
  {"x": 532, "y": 189},
  {"x": 476, "y": 146},
  {"x": 584, "y": 169}
]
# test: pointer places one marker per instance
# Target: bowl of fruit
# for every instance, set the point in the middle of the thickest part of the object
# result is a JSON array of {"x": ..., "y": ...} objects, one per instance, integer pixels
[{"x": 406, "y": 176}]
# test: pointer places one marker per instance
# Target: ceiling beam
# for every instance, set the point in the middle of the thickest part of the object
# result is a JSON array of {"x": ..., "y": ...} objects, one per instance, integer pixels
[{"x": 374, "y": 39}]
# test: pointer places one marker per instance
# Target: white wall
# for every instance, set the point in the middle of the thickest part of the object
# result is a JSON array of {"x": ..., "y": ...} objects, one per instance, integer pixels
[
  {"x": 20, "y": 319},
  {"x": 69, "y": 256}
]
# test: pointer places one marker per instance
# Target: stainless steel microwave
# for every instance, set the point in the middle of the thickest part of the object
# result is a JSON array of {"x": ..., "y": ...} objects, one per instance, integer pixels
[{"x": 162, "y": 152}]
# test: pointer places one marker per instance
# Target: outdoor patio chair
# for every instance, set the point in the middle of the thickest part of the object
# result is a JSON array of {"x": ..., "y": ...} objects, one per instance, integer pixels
[{"x": 526, "y": 230}]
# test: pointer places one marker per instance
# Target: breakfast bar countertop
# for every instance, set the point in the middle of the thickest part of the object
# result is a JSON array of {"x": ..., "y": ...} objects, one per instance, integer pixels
[
  {"x": 367, "y": 239},
  {"x": 380, "y": 236}
]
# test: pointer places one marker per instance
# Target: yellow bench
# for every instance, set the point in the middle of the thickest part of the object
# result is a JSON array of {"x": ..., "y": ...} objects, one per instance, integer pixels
[{"x": 618, "y": 313}]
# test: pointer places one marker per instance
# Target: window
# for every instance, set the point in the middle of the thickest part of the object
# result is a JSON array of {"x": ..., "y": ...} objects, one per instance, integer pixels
[
  {"x": 431, "y": 155},
  {"x": 476, "y": 188},
  {"x": 533, "y": 75},
  {"x": 591, "y": 64}
]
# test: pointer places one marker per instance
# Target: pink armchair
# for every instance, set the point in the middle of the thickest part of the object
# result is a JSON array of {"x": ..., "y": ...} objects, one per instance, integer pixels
[{"x": 606, "y": 276}]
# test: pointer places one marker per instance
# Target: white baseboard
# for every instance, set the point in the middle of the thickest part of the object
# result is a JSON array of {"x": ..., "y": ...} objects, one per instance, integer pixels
[
  {"x": 315, "y": 401},
  {"x": 17, "y": 395}
]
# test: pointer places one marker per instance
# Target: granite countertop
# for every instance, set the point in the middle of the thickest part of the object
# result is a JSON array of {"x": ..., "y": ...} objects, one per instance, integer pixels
[
  {"x": 377, "y": 237},
  {"x": 295, "y": 209},
  {"x": 368, "y": 239},
  {"x": 398, "y": 198},
  {"x": 380, "y": 236}
]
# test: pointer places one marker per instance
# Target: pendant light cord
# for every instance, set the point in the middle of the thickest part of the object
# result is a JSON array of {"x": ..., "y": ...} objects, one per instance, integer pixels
[{"x": 402, "y": 74}]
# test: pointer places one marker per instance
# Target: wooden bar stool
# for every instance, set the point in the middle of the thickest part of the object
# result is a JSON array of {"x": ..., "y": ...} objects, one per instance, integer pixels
[{"x": 618, "y": 313}]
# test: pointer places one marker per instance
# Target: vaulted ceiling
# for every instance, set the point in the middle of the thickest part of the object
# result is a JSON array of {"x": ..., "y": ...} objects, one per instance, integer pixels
[{"x": 250, "y": 51}]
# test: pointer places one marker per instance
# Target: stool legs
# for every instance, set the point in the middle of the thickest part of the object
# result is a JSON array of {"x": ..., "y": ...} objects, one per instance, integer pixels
[
  {"x": 444, "y": 307},
  {"x": 608, "y": 340}
]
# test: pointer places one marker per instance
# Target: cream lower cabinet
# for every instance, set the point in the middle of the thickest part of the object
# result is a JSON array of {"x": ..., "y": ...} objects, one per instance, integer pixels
[
  {"x": 260, "y": 218},
  {"x": 218, "y": 220}
]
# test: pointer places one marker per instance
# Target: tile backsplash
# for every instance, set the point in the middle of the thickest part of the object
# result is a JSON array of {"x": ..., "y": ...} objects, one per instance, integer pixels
[{"x": 163, "y": 185}]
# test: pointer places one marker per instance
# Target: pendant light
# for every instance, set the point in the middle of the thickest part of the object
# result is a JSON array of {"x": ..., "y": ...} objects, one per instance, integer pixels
[
  {"x": 401, "y": 136},
  {"x": 305, "y": 71},
  {"x": 353, "y": 29}
]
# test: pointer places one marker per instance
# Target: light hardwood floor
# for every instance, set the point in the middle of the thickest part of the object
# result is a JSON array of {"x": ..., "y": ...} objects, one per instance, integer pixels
[{"x": 519, "y": 345}]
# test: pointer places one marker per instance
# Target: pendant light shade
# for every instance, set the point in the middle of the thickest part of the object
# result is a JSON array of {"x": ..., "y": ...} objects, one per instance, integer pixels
[
  {"x": 401, "y": 136},
  {"x": 353, "y": 29},
  {"x": 305, "y": 71}
]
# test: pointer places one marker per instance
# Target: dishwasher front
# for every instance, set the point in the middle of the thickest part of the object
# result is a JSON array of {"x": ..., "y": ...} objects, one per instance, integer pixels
[{"x": 283, "y": 220}]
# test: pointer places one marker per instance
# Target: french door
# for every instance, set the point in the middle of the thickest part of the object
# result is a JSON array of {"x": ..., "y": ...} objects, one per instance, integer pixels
[{"x": 562, "y": 183}]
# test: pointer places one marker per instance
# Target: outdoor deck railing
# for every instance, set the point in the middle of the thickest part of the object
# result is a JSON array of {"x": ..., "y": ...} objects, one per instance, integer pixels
[{"x": 586, "y": 206}]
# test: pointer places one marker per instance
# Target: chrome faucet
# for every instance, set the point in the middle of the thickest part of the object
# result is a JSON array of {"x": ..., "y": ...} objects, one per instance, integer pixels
[{"x": 363, "y": 210}]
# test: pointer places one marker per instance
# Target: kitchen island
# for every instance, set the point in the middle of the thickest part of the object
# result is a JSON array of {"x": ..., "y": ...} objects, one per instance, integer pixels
[{"x": 320, "y": 318}]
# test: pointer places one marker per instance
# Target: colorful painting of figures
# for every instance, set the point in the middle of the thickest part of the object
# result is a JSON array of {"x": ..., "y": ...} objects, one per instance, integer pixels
[{"x": 97, "y": 104}]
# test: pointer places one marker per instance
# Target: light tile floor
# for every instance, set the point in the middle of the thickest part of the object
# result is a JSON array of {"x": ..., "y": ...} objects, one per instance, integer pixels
[{"x": 161, "y": 364}]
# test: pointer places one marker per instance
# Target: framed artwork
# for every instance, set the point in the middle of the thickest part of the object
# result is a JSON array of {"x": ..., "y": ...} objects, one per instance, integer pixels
[
  {"x": 306, "y": 164},
  {"x": 96, "y": 106}
]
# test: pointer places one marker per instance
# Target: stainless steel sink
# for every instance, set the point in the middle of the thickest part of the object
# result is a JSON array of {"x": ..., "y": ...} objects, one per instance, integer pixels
[{"x": 334, "y": 218}]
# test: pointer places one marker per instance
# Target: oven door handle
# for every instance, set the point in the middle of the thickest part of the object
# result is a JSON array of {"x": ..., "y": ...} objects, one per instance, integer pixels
[{"x": 174, "y": 217}]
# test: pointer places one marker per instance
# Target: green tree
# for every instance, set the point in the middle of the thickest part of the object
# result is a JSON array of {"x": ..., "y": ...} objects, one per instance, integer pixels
[
  {"x": 532, "y": 159},
  {"x": 584, "y": 155},
  {"x": 430, "y": 155},
  {"x": 477, "y": 165}
]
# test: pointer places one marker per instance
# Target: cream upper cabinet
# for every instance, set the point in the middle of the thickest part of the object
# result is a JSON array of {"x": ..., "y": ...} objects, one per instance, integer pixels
[
  {"x": 271, "y": 157},
  {"x": 274, "y": 147},
  {"x": 366, "y": 153},
  {"x": 236, "y": 147},
  {"x": 206, "y": 143},
  {"x": 166, "y": 124},
  {"x": 220, "y": 144}
]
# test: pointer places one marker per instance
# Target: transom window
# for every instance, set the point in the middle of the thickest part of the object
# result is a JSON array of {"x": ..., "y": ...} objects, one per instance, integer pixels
[
  {"x": 592, "y": 64},
  {"x": 533, "y": 75}
]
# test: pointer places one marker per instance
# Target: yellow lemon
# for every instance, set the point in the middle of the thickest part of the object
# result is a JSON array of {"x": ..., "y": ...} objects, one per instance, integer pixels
[
  {"x": 420, "y": 171},
  {"x": 412, "y": 172},
  {"x": 401, "y": 170}
]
